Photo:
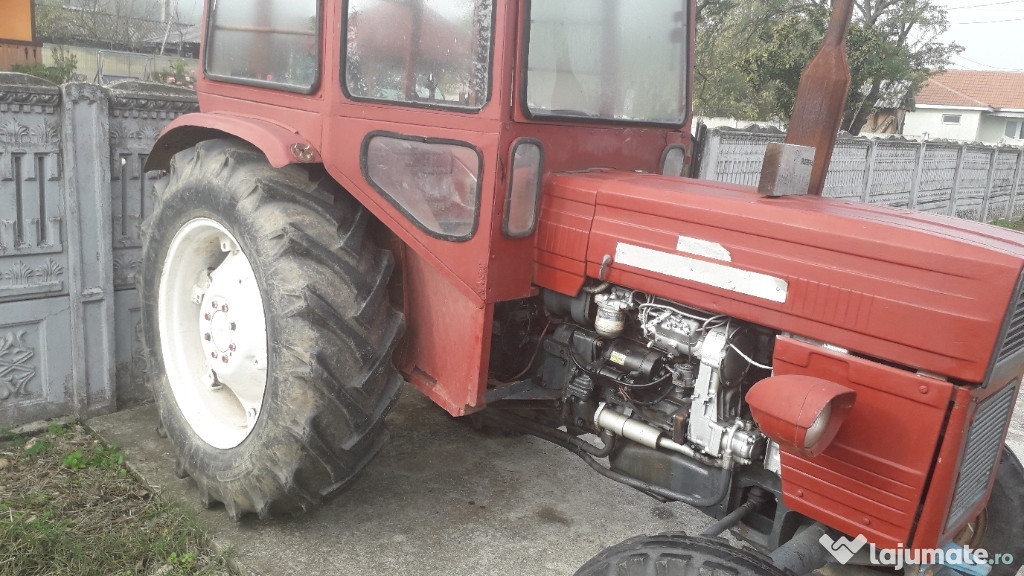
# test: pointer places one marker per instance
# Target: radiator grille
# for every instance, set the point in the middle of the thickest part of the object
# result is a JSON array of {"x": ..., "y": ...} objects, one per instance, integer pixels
[
  {"x": 984, "y": 439},
  {"x": 1013, "y": 342}
]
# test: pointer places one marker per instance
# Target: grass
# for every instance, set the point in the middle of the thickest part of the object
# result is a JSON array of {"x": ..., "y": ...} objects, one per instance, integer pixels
[
  {"x": 68, "y": 506},
  {"x": 1011, "y": 224}
]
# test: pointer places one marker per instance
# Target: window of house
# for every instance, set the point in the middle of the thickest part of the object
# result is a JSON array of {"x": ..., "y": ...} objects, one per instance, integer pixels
[
  {"x": 1011, "y": 129},
  {"x": 951, "y": 118},
  {"x": 275, "y": 47},
  {"x": 1014, "y": 129},
  {"x": 419, "y": 52}
]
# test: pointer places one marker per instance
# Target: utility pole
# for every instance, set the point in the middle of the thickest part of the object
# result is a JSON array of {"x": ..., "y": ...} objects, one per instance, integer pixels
[{"x": 169, "y": 16}]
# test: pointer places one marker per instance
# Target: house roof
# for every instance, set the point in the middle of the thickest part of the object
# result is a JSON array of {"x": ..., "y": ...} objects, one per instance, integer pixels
[{"x": 974, "y": 88}]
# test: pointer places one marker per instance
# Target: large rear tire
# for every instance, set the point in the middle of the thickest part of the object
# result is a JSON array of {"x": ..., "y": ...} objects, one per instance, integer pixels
[
  {"x": 268, "y": 329},
  {"x": 675, "y": 554}
]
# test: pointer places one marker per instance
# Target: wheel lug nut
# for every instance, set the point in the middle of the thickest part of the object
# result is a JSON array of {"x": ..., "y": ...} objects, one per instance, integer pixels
[
  {"x": 224, "y": 359},
  {"x": 231, "y": 347},
  {"x": 224, "y": 308},
  {"x": 213, "y": 304},
  {"x": 207, "y": 337},
  {"x": 213, "y": 354},
  {"x": 206, "y": 316},
  {"x": 232, "y": 326}
]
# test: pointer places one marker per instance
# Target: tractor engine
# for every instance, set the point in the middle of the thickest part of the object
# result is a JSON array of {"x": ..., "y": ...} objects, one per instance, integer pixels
[{"x": 667, "y": 381}]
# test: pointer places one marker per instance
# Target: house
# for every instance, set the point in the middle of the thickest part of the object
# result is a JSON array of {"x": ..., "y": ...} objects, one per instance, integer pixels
[
  {"x": 17, "y": 35},
  {"x": 970, "y": 105}
]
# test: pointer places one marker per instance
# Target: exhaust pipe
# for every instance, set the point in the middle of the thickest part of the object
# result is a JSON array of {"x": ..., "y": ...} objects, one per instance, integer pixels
[{"x": 821, "y": 96}]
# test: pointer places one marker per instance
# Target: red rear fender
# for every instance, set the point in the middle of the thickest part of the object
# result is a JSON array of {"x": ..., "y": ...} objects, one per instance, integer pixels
[{"x": 281, "y": 145}]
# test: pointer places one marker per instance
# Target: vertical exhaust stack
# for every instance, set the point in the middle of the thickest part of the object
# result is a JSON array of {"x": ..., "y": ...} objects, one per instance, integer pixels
[{"x": 821, "y": 96}]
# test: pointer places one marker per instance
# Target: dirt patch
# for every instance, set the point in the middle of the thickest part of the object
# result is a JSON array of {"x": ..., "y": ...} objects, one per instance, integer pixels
[{"x": 69, "y": 506}]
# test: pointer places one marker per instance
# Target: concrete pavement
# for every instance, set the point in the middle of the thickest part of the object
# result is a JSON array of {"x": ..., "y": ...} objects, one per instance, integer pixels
[{"x": 440, "y": 499}]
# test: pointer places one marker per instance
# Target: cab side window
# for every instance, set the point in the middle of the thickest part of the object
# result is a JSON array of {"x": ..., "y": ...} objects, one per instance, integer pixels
[
  {"x": 419, "y": 52},
  {"x": 274, "y": 43}
]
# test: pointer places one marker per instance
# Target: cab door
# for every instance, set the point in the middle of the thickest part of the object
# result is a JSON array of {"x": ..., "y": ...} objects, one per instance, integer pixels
[{"x": 413, "y": 133}]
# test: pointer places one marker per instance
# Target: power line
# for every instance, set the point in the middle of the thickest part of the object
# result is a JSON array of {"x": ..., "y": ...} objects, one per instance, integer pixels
[
  {"x": 990, "y": 21},
  {"x": 985, "y": 5},
  {"x": 995, "y": 68}
]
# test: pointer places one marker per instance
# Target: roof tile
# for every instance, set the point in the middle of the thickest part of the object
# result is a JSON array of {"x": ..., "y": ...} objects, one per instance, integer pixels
[{"x": 974, "y": 88}]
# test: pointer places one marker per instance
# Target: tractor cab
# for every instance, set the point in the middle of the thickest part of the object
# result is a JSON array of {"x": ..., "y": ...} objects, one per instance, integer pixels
[{"x": 444, "y": 118}]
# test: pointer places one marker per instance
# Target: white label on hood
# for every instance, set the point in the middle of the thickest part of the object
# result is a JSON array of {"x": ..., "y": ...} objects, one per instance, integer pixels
[
  {"x": 703, "y": 272},
  {"x": 698, "y": 247}
]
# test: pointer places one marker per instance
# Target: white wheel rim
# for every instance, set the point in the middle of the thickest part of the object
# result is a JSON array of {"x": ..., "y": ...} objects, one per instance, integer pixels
[{"x": 213, "y": 333}]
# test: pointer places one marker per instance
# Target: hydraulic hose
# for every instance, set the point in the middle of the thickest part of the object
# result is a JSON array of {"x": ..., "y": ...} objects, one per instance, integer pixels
[
  {"x": 587, "y": 452},
  {"x": 754, "y": 501}
]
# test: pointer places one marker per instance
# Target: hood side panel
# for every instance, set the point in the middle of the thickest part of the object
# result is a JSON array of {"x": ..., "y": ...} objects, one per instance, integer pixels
[{"x": 929, "y": 293}]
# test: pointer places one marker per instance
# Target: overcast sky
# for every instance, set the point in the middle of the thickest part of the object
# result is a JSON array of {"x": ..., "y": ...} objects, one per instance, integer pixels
[
  {"x": 991, "y": 32},
  {"x": 190, "y": 10}
]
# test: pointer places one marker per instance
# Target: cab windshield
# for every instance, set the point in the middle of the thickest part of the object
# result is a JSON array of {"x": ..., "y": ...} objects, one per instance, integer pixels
[{"x": 608, "y": 60}]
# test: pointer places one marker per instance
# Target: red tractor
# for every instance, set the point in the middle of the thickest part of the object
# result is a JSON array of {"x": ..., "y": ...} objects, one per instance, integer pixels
[{"x": 489, "y": 199}]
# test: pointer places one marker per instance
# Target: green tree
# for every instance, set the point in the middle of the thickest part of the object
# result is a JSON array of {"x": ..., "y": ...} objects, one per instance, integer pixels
[
  {"x": 759, "y": 48},
  {"x": 721, "y": 87}
]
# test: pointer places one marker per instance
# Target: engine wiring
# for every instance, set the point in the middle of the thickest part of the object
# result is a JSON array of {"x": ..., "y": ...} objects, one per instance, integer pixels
[{"x": 749, "y": 360}]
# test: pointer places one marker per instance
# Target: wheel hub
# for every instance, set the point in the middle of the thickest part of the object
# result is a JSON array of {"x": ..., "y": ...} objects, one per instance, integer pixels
[{"x": 213, "y": 333}]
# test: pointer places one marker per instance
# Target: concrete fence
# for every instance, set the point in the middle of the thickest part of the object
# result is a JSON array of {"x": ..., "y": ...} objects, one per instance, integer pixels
[
  {"x": 972, "y": 181},
  {"x": 72, "y": 196}
]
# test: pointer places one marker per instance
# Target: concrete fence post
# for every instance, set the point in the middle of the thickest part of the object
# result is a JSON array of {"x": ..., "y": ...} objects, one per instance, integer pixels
[
  {"x": 915, "y": 185},
  {"x": 955, "y": 191},
  {"x": 993, "y": 165},
  {"x": 869, "y": 170},
  {"x": 1015, "y": 188},
  {"x": 86, "y": 163},
  {"x": 709, "y": 165}
]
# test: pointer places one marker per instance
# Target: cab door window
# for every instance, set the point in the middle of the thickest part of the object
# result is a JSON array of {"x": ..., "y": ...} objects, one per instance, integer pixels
[
  {"x": 273, "y": 43},
  {"x": 419, "y": 52}
]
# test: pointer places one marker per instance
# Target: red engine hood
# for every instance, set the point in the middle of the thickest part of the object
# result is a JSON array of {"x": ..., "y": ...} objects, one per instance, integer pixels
[{"x": 920, "y": 290}]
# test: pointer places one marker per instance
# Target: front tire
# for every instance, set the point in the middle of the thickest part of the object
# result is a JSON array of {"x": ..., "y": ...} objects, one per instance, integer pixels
[
  {"x": 675, "y": 554},
  {"x": 268, "y": 329}
]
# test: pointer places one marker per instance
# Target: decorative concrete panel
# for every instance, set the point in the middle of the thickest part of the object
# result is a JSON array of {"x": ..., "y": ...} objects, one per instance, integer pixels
[
  {"x": 35, "y": 361},
  {"x": 33, "y": 259}
]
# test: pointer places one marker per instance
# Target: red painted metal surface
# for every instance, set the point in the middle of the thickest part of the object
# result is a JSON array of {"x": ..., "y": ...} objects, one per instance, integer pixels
[
  {"x": 449, "y": 337},
  {"x": 874, "y": 280},
  {"x": 871, "y": 479},
  {"x": 273, "y": 139}
]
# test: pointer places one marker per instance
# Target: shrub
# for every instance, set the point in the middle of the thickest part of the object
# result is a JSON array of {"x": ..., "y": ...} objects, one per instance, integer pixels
[
  {"x": 63, "y": 70},
  {"x": 179, "y": 74}
]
